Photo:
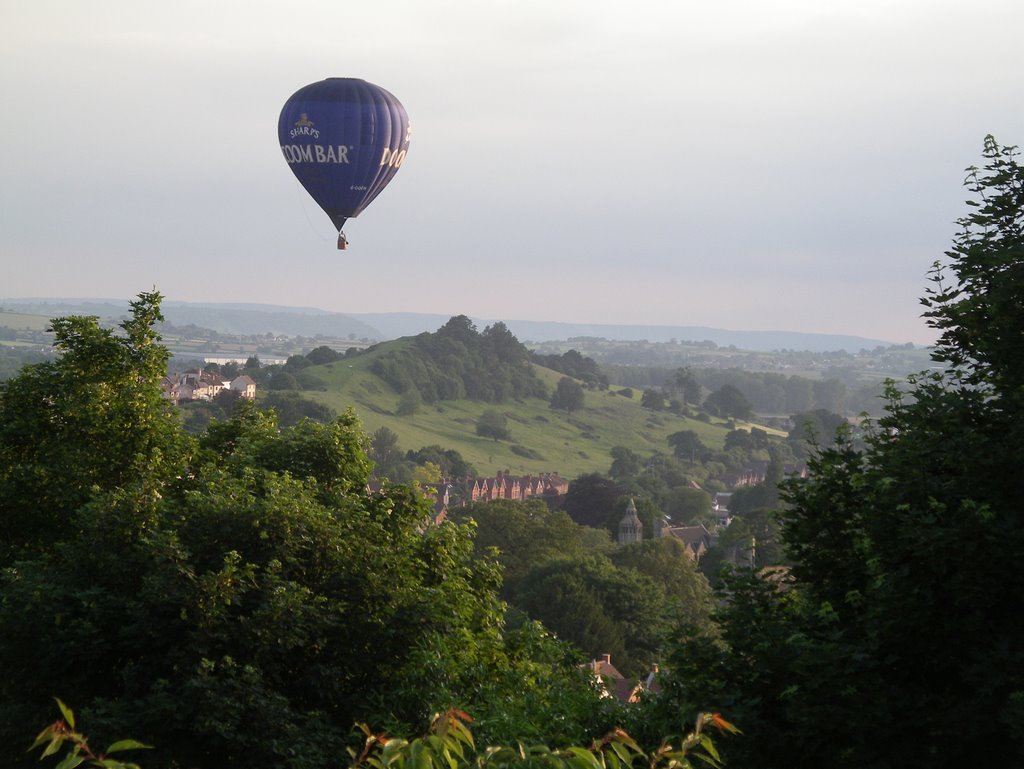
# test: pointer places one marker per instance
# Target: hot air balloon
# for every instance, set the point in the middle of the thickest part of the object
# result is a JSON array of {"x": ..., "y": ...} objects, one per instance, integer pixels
[{"x": 344, "y": 139}]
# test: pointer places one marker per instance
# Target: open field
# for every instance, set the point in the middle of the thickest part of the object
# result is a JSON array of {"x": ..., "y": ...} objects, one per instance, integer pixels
[
  {"x": 22, "y": 321},
  {"x": 542, "y": 440}
]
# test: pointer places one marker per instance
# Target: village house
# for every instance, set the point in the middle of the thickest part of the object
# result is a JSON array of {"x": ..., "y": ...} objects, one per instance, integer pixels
[
  {"x": 196, "y": 385},
  {"x": 462, "y": 491},
  {"x": 696, "y": 539},
  {"x": 757, "y": 472},
  {"x": 244, "y": 386},
  {"x": 613, "y": 684},
  {"x": 720, "y": 508},
  {"x": 504, "y": 485}
]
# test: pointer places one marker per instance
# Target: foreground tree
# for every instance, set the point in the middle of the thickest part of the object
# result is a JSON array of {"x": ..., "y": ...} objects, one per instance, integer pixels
[
  {"x": 231, "y": 605},
  {"x": 91, "y": 420},
  {"x": 323, "y": 354},
  {"x": 450, "y": 461},
  {"x": 908, "y": 584}
]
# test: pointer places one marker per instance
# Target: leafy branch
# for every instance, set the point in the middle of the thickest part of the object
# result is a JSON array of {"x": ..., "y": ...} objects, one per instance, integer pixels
[
  {"x": 63, "y": 731},
  {"x": 449, "y": 745}
]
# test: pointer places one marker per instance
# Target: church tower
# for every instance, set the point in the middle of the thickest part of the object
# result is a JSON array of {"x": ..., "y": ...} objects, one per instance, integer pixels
[{"x": 631, "y": 529}]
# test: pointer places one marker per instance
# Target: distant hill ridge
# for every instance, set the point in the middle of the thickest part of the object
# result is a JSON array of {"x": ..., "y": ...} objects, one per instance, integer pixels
[{"x": 310, "y": 321}]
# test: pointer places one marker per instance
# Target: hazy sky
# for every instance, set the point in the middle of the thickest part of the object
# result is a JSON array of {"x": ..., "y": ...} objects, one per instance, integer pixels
[{"x": 744, "y": 164}]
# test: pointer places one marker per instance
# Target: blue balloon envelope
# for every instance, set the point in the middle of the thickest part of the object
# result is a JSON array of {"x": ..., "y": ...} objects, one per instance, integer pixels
[{"x": 344, "y": 140}]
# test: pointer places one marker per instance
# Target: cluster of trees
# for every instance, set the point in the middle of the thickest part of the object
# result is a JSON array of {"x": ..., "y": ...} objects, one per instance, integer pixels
[
  {"x": 290, "y": 408},
  {"x": 237, "y": 598},
  {"x": 682, "y": 394},
  {"x": 766, "y": 392},
  {"x": 774, "y": 393},
  {"x": 741, "y": 447},
  {"x": 457, "y": 361},
  {"x": 12, "y": 359},
  {"x": 428, "y": 463},
  {"x": 574, "y": 365},
  {"x": 603, "y": 598},
  {"x": 284, "y": 376},
  {"x": 895, "y": 640}
]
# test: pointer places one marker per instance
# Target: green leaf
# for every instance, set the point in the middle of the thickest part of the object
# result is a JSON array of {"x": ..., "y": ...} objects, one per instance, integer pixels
[
  {"x": 128, "y": 745},
  {"x": 581, "y": 758},
  {"x": 43, "y": 736},
  {"x": 419, "y": 756},
  {"x": 68, "y": 714},
  {"x": 579, "y": 762},
  {"x": 620, "y": 750},
  {"x": 70, "y": 761},
  {"x": 53, "y": 747},
  {"x": 708, "y": 744},
  {"x": 581, "y": 752}
]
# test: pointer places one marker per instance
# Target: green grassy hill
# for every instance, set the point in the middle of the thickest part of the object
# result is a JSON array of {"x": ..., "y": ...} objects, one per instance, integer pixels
[
  {"x": 542, "y": 440},
  {"x": 21, "y": 320}
]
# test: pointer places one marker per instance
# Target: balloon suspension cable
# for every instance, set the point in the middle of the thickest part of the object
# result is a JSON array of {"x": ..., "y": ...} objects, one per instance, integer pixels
[{"x": 342, "y": 241}]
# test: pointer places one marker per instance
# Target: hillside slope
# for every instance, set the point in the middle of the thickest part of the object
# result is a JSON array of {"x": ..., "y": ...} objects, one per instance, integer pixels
[{"x": 543, "y": 440}]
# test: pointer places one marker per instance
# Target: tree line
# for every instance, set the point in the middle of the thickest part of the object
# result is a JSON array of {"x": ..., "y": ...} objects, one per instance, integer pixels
[
  {"x": 457, "y": 361},
  {"x": 767, "y": 392}
]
